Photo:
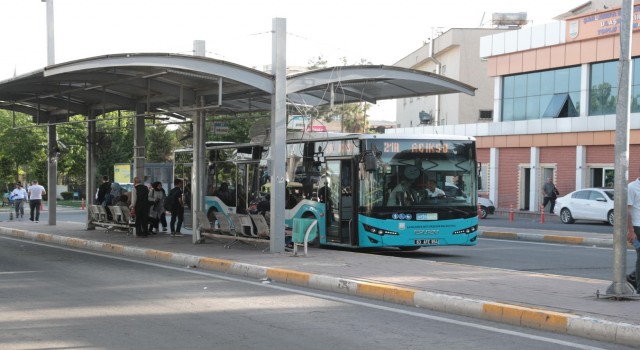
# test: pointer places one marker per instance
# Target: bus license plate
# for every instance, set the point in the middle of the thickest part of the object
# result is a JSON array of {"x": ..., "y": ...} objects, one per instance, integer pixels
[{"x": 425, "y": 241}]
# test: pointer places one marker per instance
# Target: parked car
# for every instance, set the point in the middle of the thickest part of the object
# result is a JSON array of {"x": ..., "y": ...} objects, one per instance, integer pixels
[
  {"x": 486, "y": 207},
  {"x": 586, "y": 204}
]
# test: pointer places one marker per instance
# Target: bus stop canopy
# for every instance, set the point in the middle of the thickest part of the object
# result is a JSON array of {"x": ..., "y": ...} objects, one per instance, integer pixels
[{"x": 179, "y": 85}]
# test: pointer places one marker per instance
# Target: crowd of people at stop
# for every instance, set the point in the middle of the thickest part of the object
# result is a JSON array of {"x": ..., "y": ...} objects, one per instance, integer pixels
[{"x": 148, "y": 204}]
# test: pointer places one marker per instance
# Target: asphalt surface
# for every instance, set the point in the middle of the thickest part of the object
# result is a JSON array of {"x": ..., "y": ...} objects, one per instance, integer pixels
[{"x": 568, "y": 305}]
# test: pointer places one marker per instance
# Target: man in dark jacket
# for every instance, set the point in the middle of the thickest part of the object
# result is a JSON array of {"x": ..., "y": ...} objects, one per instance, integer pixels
[
  {"x": 104, "y": 188},
  {"x": 140, "y": 202},
  {"x": 177, "y": 208}
]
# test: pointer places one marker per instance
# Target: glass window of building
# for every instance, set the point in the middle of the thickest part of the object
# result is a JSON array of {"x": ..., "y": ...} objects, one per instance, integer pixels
[
  {"x": 635, "y": 85},
  {"x": 532, "y": 95},
  {"x": 603, "y": 88}
]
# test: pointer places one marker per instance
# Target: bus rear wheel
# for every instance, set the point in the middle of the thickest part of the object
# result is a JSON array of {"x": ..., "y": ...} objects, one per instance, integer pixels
[
  {"x": 409, "y": 249},
  {"x": 211, "y": 216}
]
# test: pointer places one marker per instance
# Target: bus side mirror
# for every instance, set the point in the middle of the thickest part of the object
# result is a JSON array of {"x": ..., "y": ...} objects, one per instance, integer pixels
[{"x": 370, "y": 162}]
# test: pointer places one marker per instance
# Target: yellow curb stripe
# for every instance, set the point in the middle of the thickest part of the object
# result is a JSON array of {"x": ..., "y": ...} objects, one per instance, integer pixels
[
  {"x": 150, "y": 253},
  {"x": 527, "y": 317},
  {"x": 289, "y": 276},
  {"x": 44, "y": 237},
  {"x": 385, "y": 292},
  {"x": 564, "y": 239},
  {"x": 215, "y": 264},
  {"x": 75, "y": 242},
  {"x": 163, "y": 256},
  {"x": 503, "y": 235},
  {"x": 114, "y": 248}
]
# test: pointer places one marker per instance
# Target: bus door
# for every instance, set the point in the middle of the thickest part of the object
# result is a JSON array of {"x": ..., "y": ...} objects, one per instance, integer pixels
[{"x": 340, "y": 215}]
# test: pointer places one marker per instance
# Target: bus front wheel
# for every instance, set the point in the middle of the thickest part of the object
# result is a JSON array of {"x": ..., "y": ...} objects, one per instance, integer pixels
[{"x": 409, "y": 249}]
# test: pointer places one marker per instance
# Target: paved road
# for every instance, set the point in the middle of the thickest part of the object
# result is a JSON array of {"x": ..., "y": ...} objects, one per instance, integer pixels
[
  {"x": 559, "y": 259},
  {"x": 65, "y": 299},
  {"x": 551, "y": 222}
]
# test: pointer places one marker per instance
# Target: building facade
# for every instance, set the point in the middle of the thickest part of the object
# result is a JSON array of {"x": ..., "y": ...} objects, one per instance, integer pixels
[
  {"x": 454, "y": 54},
  {"x": 554, "y": 105}
]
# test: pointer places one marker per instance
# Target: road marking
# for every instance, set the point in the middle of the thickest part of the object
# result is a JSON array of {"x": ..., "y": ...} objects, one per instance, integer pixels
[{"x": 324, "y": 296}]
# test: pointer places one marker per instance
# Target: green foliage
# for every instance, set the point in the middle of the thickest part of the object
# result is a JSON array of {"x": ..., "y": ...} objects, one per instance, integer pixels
[
  {"x": 160, "y": 144},
  {"x": 114, "y": 142},
  {"x": 353, "y": 115},
  {"x": 317, "y": 63},
  {"x": 23, "y": 152},
  {"x": 66, "y": 195}
]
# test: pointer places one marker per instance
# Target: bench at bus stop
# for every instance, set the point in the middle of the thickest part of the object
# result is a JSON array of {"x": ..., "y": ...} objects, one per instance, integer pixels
[
  {"x": 253, "y": 229},
  {"x": 120, "y": 218}
]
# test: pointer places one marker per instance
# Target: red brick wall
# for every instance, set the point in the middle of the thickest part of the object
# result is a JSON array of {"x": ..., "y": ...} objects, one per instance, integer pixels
[
  {"x": 508, "y": 175},
  {"x": 484, "y": 155},
  {"x": 565, "y": 160},
  {"x": 634, "y": 162},
  {"x": 600, "y": 154}
]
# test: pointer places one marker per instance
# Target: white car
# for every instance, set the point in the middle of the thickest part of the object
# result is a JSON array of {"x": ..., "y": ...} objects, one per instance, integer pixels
[
  {"x": 586, "y": 204},
  {"x": 486, "y": 207}
]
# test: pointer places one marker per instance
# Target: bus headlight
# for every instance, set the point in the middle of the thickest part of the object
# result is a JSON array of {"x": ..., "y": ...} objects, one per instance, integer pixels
[
  {"x": 467, "y": 230},
  {"x": 378, "y": 231}
]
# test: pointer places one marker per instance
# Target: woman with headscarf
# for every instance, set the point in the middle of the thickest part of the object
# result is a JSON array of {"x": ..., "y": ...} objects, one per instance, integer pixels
[{"x": 156, "y": 202}]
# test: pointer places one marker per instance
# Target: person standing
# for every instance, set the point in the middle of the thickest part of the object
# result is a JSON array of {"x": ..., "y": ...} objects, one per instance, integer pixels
[
  {"x": 156, "y": 200},
  {"x": 140, "y": 203},
  {"x": 550, "y": 194},
  {"x": 633, "y": 227},
  {"x": 19, "y": 195},
  {"x": 35, "y": 200},
  {"x": 103, "y": 190},
  {"x": 177, "y": 208}
]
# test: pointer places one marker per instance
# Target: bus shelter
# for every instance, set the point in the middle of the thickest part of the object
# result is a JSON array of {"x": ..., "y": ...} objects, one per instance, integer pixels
[{"x": 187, "y": 89}]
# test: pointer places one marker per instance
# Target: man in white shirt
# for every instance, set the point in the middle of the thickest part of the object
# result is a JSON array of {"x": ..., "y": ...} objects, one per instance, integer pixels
[
  {"x": 19, "y": 195},
  {"x": 433, "y": 191},
  {"x": 633, "y": 227},
  {"x": 35, "y": 200}
]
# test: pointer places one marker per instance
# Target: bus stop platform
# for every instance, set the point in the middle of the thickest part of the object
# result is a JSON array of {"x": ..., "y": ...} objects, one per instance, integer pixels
[{"x": 561, "y": 304}]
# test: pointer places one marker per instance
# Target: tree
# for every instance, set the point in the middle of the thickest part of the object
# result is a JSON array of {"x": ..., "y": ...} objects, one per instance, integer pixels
[
  {"x": 23, "y": 151},
  {"x": 353, "y": 115},
  {"x": 160, "y": 144}
]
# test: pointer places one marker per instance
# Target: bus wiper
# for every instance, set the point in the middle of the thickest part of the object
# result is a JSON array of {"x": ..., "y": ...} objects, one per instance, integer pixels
[{"x": 456, "y": 210}]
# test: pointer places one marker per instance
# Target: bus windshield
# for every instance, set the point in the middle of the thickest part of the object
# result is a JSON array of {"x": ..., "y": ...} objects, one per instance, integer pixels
[{"x": 420, "y": 174}]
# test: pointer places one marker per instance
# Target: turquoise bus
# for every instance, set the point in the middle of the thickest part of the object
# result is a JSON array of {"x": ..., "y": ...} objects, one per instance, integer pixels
[{"x": 365, "y": 190}]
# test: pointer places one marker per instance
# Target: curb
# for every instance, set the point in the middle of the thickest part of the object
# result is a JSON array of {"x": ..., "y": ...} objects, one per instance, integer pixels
[
  {"x": 532, "y": 237},
  {"x": 564, "y": 323}
]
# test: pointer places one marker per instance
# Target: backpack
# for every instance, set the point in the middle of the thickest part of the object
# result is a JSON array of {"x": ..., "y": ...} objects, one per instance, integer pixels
[{"x": 171, "y": 200}]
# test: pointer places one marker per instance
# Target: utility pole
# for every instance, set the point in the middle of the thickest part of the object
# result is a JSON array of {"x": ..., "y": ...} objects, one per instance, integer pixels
[
  {"x": 621, "y": 180},
  {"x": 52, "y": 191}
]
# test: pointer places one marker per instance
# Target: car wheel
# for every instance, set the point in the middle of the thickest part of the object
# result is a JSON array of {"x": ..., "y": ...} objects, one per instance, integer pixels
[
  {"x": 565, "y": 216},
  {"x": 610, "y": 217},
  {"x": 483, "y": 212}
]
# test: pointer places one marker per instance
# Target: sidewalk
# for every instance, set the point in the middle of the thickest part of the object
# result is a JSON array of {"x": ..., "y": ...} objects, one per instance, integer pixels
[{"x": 556, "y": 303}]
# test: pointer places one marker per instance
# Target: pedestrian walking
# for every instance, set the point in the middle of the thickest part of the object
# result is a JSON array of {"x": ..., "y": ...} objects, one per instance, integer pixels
[
  {"x": 36, "y": 192},
  {"x": 633, "y": 228},
  {"x": 103, "y": 190},
  {"x": 156, "y": 201},
  {"x": 19, "y": 195},
  {"x": 550, "y": 194}
]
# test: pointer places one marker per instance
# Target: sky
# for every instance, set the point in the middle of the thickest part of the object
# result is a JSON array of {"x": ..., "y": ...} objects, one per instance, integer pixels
[{"x": 239, "y": 31}]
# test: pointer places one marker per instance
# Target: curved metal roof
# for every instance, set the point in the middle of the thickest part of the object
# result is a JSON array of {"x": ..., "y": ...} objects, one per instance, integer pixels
[{"x": 179, "y": 85}]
